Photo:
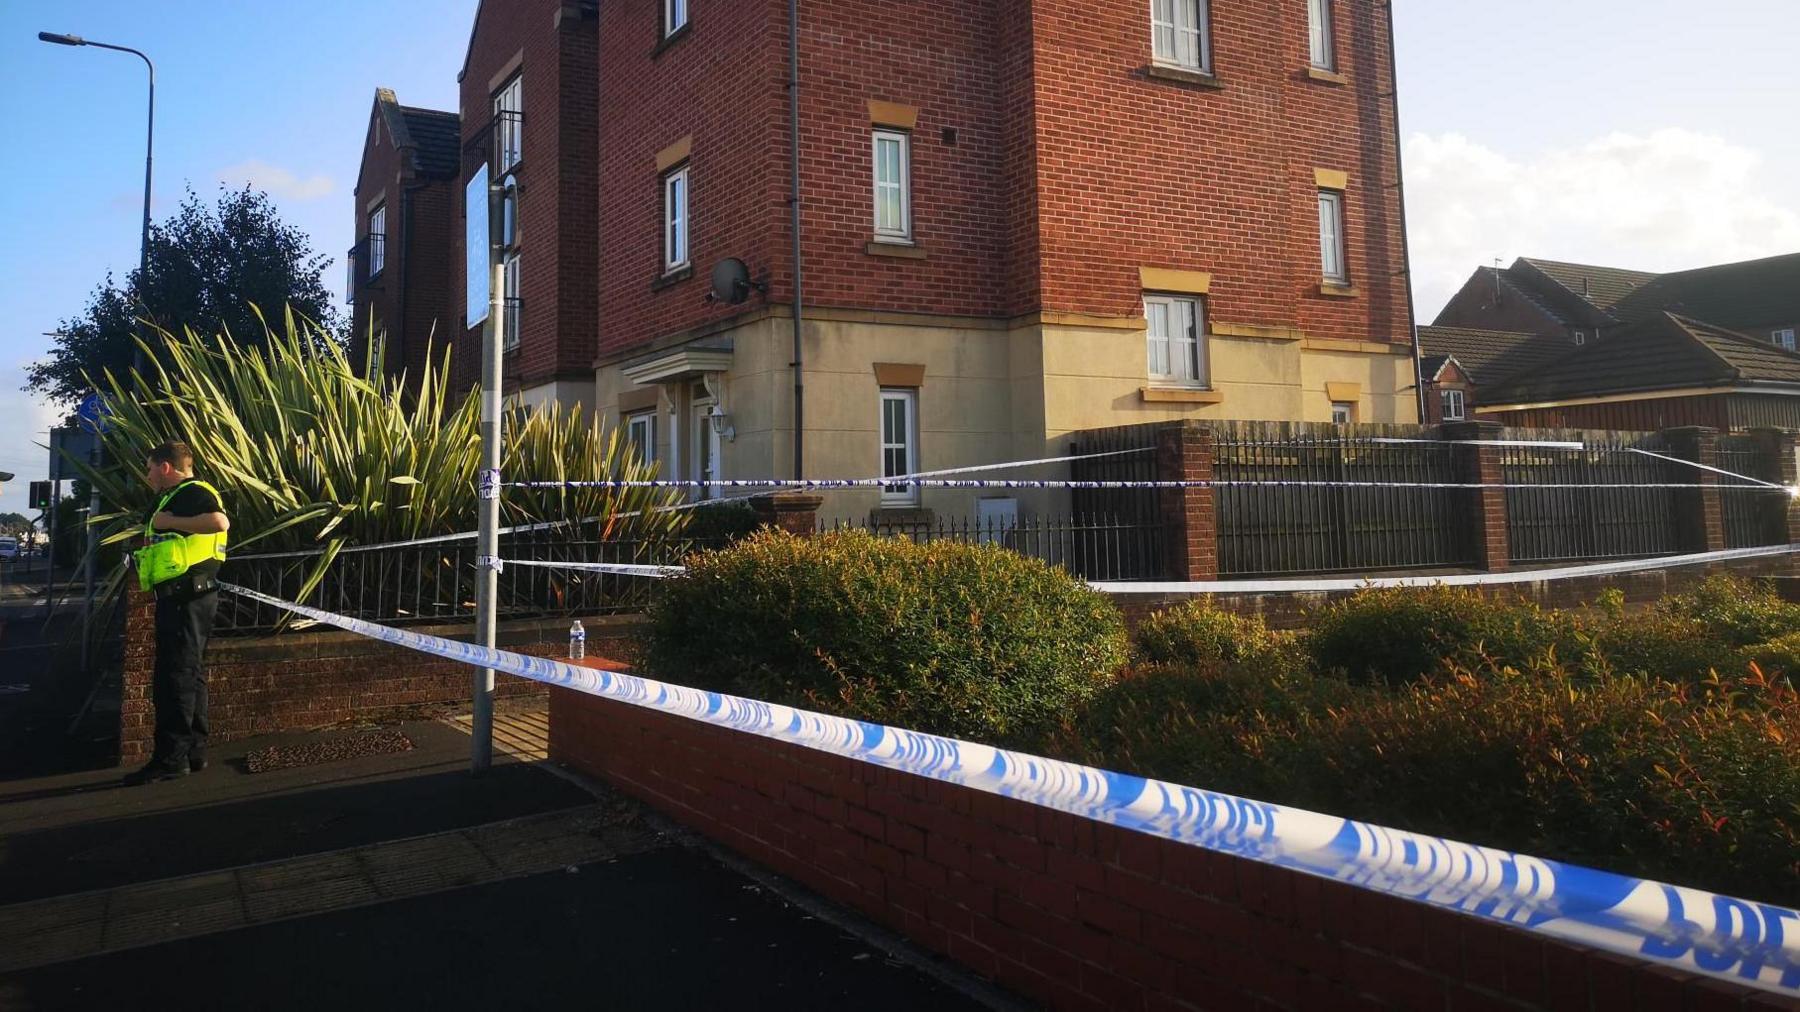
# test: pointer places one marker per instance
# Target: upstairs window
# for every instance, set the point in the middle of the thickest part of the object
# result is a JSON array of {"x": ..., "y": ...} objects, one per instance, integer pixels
[
  {"x": 1453, "y": 405},
  {"x": 377, "y": 241},
  {"x": 1179, "y": 34},
  {"x": 1331, "y": 238},
  {"x": 675, "y": 220},
  {"x": 509, "y": 123},
  {"x": 1318, "y": 20},
  {"x": 1175, "y": 353},
  {"x": 893, "y": 186},
  {"x": 675, "y": 16},
  {"x": 1783, "y": 338}
]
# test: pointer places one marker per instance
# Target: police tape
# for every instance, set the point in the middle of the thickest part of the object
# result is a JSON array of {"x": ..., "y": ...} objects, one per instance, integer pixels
[
  {"x": 840, "y": 484},
  {"x": 622, "y": 568},
  {"x": 1746, "y": 942}
]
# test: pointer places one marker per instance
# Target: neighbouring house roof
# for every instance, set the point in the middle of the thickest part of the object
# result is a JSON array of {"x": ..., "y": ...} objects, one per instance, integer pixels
[
  {"x": 1488, "y": 356},
  {"x": 1599, "y": 287},
  {"x": 1663, "y": 351},
  {"x": 433, "y": 137},
  {"x": 1741, "y": 295}
]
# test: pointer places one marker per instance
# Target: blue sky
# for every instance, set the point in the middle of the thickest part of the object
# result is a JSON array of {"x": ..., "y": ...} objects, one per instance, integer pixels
[{"x": 1639, "y": 133}]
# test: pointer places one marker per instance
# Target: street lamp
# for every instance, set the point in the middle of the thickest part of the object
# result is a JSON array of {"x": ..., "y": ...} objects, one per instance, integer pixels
[{"x": 55, "y": 38}]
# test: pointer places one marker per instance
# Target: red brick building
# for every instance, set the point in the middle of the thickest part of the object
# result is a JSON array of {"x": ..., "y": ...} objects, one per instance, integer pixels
[
  {"x": 1019, "y": 220},
  {"x": 529, "y": 102},
  {"x": 402, "y": 268},
  {"x": 1061, "y": 183}
]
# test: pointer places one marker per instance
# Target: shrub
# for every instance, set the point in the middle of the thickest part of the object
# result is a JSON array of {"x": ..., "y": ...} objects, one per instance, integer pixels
[
  {"x": 1659, "y": 644},
  {"x": 1399, "y": 635},
  {"x": 1737, "y": 611},
  {"x": 1196, "y": 632},
  {"x": 1777, "y": 657},
  {"x": 722, "y": 522},
  {"x": 965, "y": 640}
]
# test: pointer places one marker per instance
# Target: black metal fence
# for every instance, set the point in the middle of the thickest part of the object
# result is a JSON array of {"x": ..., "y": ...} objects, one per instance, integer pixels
[
  {"x": 1340, "y": 523},
  {"x": 1578, "y": 504},
  {"x": 428, "y": 584},
  {"x": 1753, "y": 516},
  {"x": 1135, "y": 550},
  {"x": 1093, "y": 547}
]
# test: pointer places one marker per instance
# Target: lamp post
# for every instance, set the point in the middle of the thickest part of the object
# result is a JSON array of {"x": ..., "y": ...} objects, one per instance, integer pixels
[
  {"x": 137, "y": 354},
  {"x": 137, "y": 351}
]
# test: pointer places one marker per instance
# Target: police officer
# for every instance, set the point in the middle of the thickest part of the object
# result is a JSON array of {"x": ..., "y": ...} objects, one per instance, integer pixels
[{"x": 179, "y": 563}]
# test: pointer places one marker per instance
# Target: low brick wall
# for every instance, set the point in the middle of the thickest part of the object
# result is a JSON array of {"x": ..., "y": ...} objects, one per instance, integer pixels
[
  {"x": 1289, "y": 610},
  {"x": 1078, "y": 914},
  {"x": 302, "y": 680}
]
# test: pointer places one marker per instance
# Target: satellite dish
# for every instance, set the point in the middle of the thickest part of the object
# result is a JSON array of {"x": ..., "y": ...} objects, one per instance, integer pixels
[{"x": 731, "y": 282}]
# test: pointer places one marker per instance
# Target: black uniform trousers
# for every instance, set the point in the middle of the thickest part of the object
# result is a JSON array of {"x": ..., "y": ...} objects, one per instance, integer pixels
[{"x": 184, "y": 621}]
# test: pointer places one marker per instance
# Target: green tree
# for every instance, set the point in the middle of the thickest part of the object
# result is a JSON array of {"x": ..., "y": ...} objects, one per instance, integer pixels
[
  {"x": 14, "y": 524},
  {"x": 209, "y": 266}
]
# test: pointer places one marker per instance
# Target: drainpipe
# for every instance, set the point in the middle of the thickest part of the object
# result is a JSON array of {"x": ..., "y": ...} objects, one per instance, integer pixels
[
  {"x": 794, "y": 200},
  {"x": 1412, "y": 321}
]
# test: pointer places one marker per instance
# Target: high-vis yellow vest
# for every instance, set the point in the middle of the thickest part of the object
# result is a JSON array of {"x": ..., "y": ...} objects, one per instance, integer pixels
[{"x": 167, "y": 556}]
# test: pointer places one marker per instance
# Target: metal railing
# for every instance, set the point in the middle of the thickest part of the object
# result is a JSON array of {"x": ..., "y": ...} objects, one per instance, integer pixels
[
  {"x": 432, "y": 584},
  {"x": 1587, "y": 516},
  {"x": 1753, "y": 517},
  {"x": 1266, "y": 530},
  {"x": 1092, "y": 547}
]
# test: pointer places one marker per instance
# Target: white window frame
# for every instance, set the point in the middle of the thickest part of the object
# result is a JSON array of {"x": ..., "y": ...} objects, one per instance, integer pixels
[
  {"x": 640, "y": 429},
  {"x": 1448, "y": 397},
  {"x": 1783, "y": 338},
  {"x": 899, "y": 495},
  {"x": 1180, "y": 34},
  {"x": 377, "y": 250},
  {"x": 1343, "y": 413},
  {"x": 889, "y": 231},
  {"x": 509, "y": 133},
  {"x": 1580, "y": 338},
  {"x": 1333, "y": 264},
  {"x": 678, "y": 200},
  {"x": 1172, "y": 359},
  {"x": 512, "y": 307},
  {"x": 675, "y": 16},
  {"x": 1321, "y": 40}
]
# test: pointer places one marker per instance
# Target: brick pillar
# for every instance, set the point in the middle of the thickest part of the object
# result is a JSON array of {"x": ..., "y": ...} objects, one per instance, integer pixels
[
  {"x": 1190, "y": 524},
  {"x": 1480, "y": 465},
  {"x": 1785, "y": 446},
  {"x": 1699, "y": 512},
  {"x": 137, "y": 716},
  {"x": 794, "y": 512}
]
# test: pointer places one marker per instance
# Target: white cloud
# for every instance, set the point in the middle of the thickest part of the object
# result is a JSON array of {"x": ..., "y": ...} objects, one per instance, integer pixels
[
  {"x": 20, "y": 451},
  {"x": 1668, "y": 200},
  {"x": 280, "y": 182}
]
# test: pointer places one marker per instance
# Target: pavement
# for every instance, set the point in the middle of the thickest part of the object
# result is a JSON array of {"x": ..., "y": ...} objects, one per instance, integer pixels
[{"x": 399, "y": 880}]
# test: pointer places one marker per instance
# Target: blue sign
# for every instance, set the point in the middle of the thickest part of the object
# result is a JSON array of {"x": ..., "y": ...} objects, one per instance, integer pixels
[
  {"x": 92, "y": 412},
  {"x": 475, "y": 246}
]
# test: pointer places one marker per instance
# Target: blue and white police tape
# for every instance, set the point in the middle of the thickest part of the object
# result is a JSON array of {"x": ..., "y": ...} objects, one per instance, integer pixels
[
  {"x": 622, "y": 568},
  {"x": 835, "y": 484},
  {"x": 1738, "y": 940}
]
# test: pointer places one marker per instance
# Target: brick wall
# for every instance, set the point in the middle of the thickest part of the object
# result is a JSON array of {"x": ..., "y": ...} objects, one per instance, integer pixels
[
  {"x": 558, "y": 248},
  {"x": 1078, "y": 914},
  {"x": 297, "y": 681},
  {"x": 1069, "y": 169}
]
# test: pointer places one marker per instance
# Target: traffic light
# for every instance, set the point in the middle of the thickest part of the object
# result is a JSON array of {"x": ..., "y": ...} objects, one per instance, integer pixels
[{"x": 40, "y": 495}]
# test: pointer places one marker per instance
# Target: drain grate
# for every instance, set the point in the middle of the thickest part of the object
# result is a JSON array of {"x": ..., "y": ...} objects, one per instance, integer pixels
[{"x": 312, "y": 753}]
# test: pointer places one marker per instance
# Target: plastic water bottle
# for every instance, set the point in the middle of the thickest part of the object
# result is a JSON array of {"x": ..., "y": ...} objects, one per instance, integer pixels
[{"x": 577, "y": 641}]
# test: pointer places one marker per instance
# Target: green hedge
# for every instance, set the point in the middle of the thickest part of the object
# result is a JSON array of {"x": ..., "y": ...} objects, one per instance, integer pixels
[
  {"x": 972, "y": 641},
  {"x": 1197, "y": 632},
  {"x": 1399, "y": 635}
]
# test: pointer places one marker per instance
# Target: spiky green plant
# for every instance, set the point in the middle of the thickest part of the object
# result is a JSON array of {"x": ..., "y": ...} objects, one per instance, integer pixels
[{"x": 309, "y": 454}]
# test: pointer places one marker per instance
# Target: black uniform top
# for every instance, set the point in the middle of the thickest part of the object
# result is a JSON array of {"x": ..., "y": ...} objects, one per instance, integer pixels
[{"x": 191, "y": 500}]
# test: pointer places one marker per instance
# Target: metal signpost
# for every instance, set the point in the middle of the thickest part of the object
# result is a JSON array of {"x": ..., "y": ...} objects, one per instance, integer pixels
[{"x": 483, "y": 203}]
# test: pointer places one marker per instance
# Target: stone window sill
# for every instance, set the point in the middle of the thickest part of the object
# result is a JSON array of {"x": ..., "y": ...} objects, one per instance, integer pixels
[
  {"x": 674, "y": 277},
  {"x": 1326, "y": 76},
  {"x": 1181, "y": 75},
  {"x": 898, "y": 250},
  {"x": 1339, "y": 291},
  {"x": 1180, "y": 395}
]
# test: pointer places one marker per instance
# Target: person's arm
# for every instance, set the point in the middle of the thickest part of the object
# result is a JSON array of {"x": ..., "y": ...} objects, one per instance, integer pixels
[{"x": 205, "y": 523}]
